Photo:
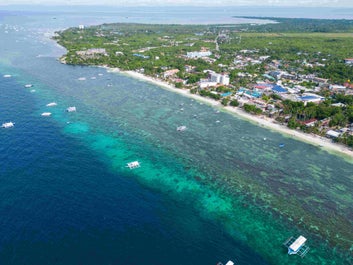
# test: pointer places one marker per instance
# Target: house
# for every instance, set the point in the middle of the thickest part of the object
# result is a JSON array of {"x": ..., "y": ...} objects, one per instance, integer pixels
[
  {"x": 310, "y": 123},
  {"x": 92, "y": 53},
  {"x": 332, "y": 134},
  {"x": 170, "y": 72},
  {"x": 195, "y": 55},
  {"x": 309, "y": 97},
  {"x": 141, "y": 56},
  {"x": 337, "y": 88},
  {"x": 279, "y": 89},
  {"x": 348, "y": 61}
]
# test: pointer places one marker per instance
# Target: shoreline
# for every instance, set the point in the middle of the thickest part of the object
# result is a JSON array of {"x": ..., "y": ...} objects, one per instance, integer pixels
[{"x": 262, "y": 121}]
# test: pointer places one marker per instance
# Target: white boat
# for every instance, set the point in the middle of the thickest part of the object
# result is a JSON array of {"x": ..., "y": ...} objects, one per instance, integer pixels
[
  {"x": 8, "y": 124},
  {"x": 228, "y": 263},
  {"x": 46, "y": 114},
  {"x": 181, "y": 128},
  {"x": 133, "y": 164},
  {"x": 7, "y": 76},
  {"x": 51, "y": 104},
  {"x": 82, "y": 78},
  {"x": 33, "y": 90},
  {"x": 71, "y": 109},
  {"x": 28, "y": 85},
  {"x": 297, "y": 246}
]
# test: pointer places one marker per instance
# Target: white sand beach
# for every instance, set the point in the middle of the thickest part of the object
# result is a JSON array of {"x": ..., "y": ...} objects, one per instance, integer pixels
[{"x": 265, "y": 122}]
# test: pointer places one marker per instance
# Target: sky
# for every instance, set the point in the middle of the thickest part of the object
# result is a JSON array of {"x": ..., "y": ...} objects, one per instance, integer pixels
[{"x": 279, "y": 3}]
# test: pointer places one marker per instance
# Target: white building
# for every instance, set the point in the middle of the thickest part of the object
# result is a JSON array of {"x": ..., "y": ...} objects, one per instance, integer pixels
[
  {"x": 205, "y": 84},
  {"x": 198, "y": 54},
  {"x": 219, "y": 78},
  {"x": 81, "y": 27}
]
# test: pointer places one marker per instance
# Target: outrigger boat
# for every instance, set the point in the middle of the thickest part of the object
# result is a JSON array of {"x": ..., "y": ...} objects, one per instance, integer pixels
[
  {"x": 133, "y": 164},
  {"x": 228, "y": 263},
  {"x": 8, "y": 124},
  {"x": 296, "y": 246},
  {"x": 181, "y": 128}
]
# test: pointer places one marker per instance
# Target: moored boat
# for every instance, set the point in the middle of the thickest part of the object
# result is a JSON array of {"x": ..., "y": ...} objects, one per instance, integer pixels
[
  {"x": 297, "y": 246},
  {"x": 133, "y": 164},
  {"x": 8, "y": 124},
  {"x": 228, "y": 263},
  {"x": 71, "y": 109},
  {"x": 181, "y": 128},
  {"x": 46, "y": 114},
  {"x": 51, "y": 104}
]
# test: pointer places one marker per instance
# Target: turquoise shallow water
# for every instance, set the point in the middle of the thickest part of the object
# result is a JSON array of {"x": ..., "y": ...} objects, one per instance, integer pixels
[{"x": 214, "y": 192}]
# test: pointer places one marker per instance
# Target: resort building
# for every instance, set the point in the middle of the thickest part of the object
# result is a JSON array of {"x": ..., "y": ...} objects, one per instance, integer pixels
[
  {"x": 195, "y": 55},
  {"x": 206, "y": 83},
  {"x": 219, "y": 78},
  {"x": 332, "y": 134},
  {"x": 91, "y": 53}
]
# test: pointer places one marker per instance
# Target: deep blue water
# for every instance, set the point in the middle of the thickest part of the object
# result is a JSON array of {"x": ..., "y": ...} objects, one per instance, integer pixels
[
  {"x": 61, "y": 205},
  {"x": 67, "y": 198}
]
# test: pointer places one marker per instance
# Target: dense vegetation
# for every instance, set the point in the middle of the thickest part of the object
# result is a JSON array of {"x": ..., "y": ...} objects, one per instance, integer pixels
[
  {"x": 303, "y": 25},
  {"x": 170, "y": 43}
]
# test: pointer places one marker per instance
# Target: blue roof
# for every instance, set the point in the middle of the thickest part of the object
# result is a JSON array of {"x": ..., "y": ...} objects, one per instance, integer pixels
[
  {"x": 308, "y": 97},
  {"x": 279, "y": 89},
  {"x": 141, "y": 55}
]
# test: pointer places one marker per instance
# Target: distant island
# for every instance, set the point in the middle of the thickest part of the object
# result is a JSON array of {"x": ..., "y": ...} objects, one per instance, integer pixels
[{"x": 295, "y": 73}]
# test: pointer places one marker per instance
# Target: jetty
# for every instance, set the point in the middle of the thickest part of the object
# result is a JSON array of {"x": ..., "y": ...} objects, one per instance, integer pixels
[
  {"x": 296, "y": 246},
  {"x": 133, "y": 164}
]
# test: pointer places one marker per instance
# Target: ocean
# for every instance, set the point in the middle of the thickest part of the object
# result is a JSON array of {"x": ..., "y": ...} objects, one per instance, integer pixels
[{"x": 215, "y": 192}]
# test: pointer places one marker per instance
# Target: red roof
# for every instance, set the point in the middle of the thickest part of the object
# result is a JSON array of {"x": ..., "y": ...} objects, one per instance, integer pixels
[
  {"x": 348, "y": 85},
  {"x": 309, "y": 121}
]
